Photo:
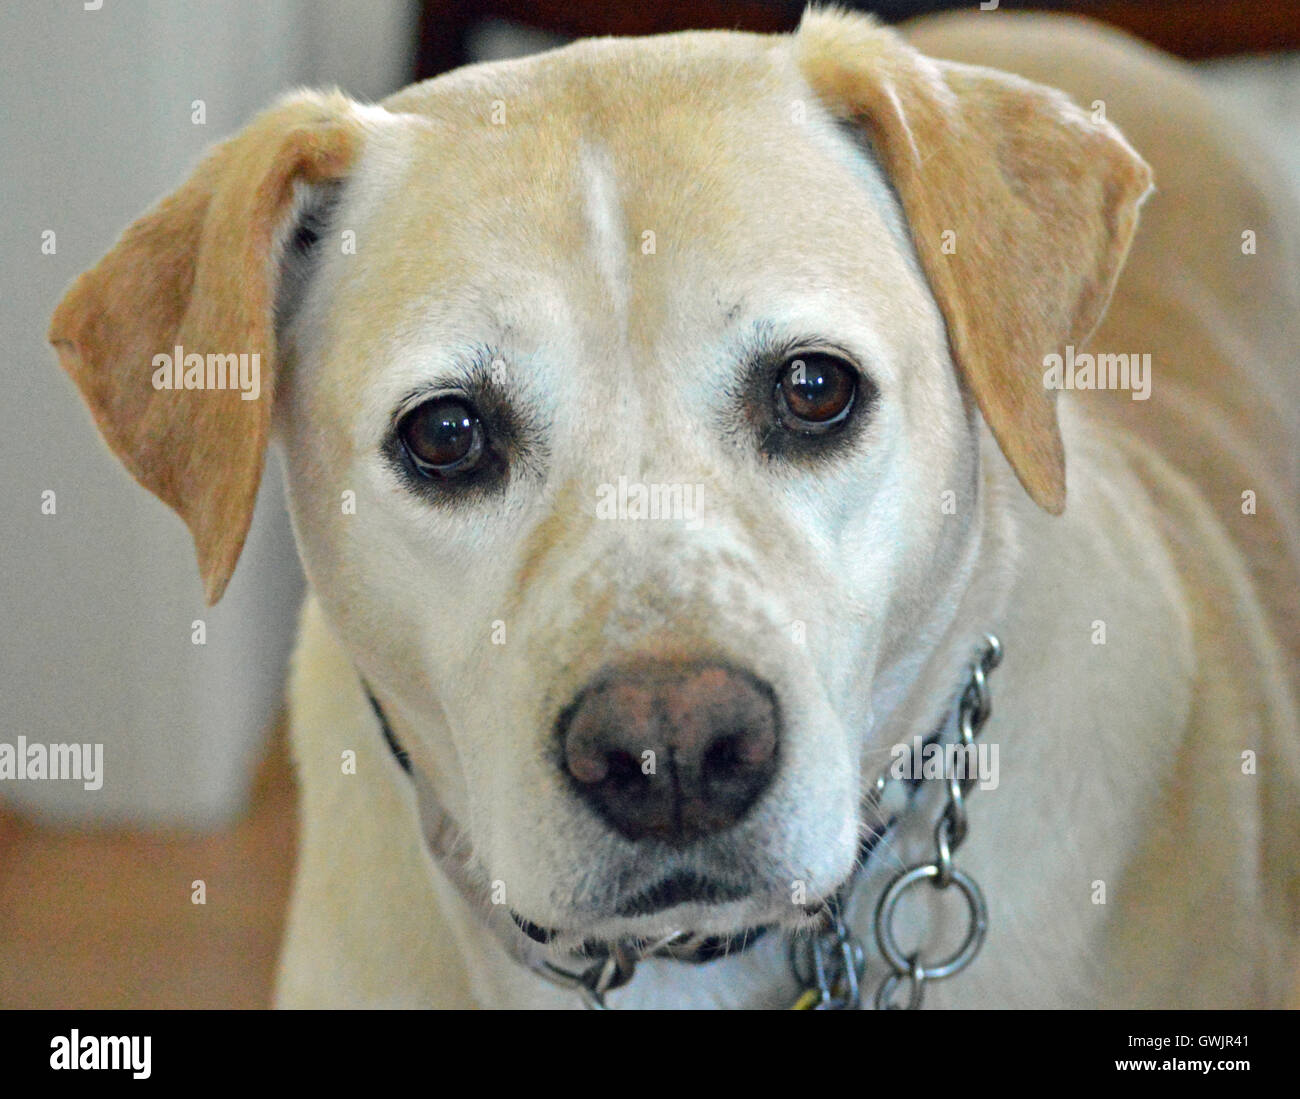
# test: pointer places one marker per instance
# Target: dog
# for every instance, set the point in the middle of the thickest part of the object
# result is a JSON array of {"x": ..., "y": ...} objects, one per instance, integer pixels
[{"x": 674, "y": 428}]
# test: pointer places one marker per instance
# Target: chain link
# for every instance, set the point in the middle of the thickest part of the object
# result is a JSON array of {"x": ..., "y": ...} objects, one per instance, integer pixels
[
  {"x": 829, "y": 967},
  {"x": 974, "y": 709},
  {"x": 829, "y": 964},
  {"x": 610, "y": 971}
]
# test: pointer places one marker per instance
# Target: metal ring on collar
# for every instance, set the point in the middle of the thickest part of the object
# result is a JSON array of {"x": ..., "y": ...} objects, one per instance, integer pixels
[{"x": 904, "y": 965}]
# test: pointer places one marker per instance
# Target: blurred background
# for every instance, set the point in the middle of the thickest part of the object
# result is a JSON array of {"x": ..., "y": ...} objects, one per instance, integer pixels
[{"x": 108, "y": 104}]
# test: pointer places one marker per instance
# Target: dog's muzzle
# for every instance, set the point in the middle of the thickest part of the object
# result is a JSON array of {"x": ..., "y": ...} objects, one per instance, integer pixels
[{"x": 828, "y": 962}]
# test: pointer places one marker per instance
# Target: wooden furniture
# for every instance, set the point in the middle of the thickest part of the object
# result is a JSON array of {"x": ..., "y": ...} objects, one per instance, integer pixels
[{"x": 1189, "y": 28}]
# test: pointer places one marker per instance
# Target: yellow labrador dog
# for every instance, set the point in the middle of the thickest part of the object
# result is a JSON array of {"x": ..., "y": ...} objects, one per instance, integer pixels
[{"x": 674, "y": 427}]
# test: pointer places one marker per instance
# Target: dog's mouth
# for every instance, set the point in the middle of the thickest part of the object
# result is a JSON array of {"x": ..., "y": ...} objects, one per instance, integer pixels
[
  {"x": 684, "y": 889},
  {"x": 710, "y": 905},
  {"x": 679, "y": 888}
]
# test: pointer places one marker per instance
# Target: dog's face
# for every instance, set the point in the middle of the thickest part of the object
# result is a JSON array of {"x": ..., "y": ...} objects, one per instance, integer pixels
[
  {"x": 628, "y": 399},
  {"x": 773, "y": 368}
]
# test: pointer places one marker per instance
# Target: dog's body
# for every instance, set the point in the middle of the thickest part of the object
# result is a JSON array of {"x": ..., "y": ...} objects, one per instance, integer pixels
[{"x": 1138, "y": 849}]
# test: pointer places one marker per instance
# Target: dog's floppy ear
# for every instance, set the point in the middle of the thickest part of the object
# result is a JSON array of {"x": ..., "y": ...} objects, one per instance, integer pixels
[
  {"x": 1021, "y": 208},
  {"x": 196, "y": 273}
]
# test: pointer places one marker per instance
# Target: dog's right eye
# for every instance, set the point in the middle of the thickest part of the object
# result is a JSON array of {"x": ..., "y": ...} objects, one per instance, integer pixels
[
  {"x": 443, "y": 437},
  {"x": 815, "y": 393}
]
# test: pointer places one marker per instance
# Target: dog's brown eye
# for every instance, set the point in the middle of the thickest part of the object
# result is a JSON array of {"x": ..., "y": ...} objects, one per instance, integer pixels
[
  {"x": 815, "y": 392},
  {"x": 443, "y": 436}
]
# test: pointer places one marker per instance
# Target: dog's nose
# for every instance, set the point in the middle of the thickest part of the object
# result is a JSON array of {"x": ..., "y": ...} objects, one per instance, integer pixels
[{"x": 673, "y": 752}]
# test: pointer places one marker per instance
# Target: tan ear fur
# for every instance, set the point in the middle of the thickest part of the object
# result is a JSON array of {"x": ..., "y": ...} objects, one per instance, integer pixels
[
  {"x": 196, "y": 271},
  {"x": 1042, "y": 200}
]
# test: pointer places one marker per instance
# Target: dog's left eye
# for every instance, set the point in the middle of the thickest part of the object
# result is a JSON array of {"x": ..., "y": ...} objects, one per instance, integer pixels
[
  {"x": 442, "y": 437},
  {"x": 815, "y": 392}
]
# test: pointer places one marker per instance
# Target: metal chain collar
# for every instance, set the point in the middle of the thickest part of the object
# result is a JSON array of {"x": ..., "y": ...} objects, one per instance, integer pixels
[{"x": 830, "y": 964}]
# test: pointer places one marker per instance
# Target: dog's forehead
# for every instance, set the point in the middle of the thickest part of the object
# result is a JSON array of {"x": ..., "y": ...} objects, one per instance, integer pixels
[
  {"x": 599, "y": 167},
  {"x": 640, "y": 206},
  {"x": 610, "y": 76}
]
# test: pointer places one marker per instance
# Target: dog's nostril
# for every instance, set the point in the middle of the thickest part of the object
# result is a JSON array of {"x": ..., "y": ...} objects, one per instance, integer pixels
[
  {"x": 624, "y": 768},
  {"x": 738, "y": 750},
  {"x": 722, "y": 754},
  {"x": 673, "y": 752}
]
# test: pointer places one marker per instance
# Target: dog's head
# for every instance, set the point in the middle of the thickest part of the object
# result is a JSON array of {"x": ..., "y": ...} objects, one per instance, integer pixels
[{"x": 629, "y": 396}]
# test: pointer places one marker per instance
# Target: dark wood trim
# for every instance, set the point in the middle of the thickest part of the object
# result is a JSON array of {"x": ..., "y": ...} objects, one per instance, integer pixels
[
  {"x": 444, "y": 34},
  {"x": 1206, "y": 28},
  {"x": 1189, "y": 28}
]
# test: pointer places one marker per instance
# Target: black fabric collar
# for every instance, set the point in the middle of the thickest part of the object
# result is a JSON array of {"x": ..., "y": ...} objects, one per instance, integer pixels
[{"x": 390, "y": 738}]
